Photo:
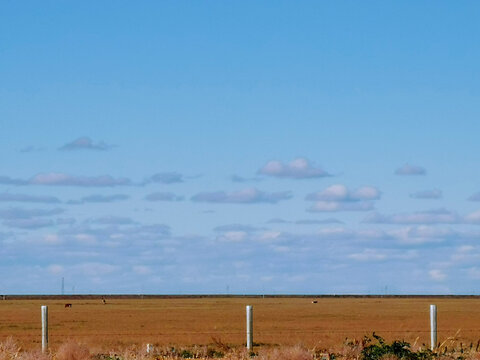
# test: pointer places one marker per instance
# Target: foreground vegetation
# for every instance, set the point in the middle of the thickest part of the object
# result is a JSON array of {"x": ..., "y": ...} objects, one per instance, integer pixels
[{"x": 369, "y": 348}]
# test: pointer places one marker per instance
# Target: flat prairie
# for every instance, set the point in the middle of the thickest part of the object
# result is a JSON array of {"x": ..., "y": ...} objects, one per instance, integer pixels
[{"x": 202, "y": 321}]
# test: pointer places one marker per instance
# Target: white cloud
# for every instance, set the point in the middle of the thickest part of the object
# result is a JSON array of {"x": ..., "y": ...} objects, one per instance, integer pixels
[
  {"x": 318, "y": 221},
  {"x": 474, "y": 273},
  {"x": 237, "y": 227},
  {"x": 55, "y": 269},
  {"x": 332, "y": 206},
  {"x": 85, "y": 143},
  {"x": 104, "y": 198},
  {"x": 86, "y": 239},
  {"x": 61, "y": 179},
  {"x": 416, "y": 235},
  {"x": 383, "y": 255},
  {"x": 339, "y": 198},
  {"x": 8, "y": 197},
  {"x": 368, "y": 255},
  {"x": 233, "y": 236},
  {"x": 166, "y": 178},
  {"x": 473, "y": 218},
  {"x": 51, "y": 239},
  {"x": 437, "y": 275},
  {"x": 437, "y": 216},
  {"x": 340, "y": 192},
  {"x": 299, "y": 168},
  {"x": 111, "y": 220},
  {"x": 245, "y": 196},
  {"x": 29, "y": 224},
  {"x": 7, "y": 180},
  {"x": 408, "y": 169},
  {"x": 163, "y": 196},
  {"x": 427, "y": 194},
  {"x": 95, "y": 269},
  {"x": 20, "y": 213},
  {"x": 31, "y": 148},
  {"x": 277, "y": 221},
  {"x": 269, "y": 235},
  {"x": 142, "y": 270},
  {"x": 241, "y": 179},
  {"x": 475, "y": 197}
]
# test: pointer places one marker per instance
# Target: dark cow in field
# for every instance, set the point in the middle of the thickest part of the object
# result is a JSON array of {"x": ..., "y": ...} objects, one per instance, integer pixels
[{"x": 68, "y": 306}]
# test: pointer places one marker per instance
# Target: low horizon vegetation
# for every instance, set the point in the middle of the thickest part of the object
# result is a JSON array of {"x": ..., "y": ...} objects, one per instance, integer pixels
[{"x": 372, "y": 347}]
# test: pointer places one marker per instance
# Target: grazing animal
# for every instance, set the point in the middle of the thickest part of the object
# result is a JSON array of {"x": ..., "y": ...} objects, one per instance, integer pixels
[
  {"x": 68, "y": 305},
  {"x": 314, "y": 301},
  {"x": 104, "y": 302}
]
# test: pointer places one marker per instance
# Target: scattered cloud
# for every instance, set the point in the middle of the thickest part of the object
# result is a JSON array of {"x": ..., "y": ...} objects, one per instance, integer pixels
[
  {"x": 423, "y": 234},
  {"x": 277, "y": 221},
  {"x": 112, "y": 220},
  {"x": 8, "y": 197},
  {"x": 55, "y": 269},
  {"x": 427, "y": 194},
  {"x": 29, "y": 149},
  {"x": 408, "y": 169},
  {"x": 232, "y": 236},
  {"x": 473, "y": 218},
  {"x": 339, "y": 198},
  {"x": 241, "y": 179},
  {"x": 7, "y": 180},
  {"x": 95, "y": 269},
  {"x": 163, "y": 196},
  {"x": 103, "y": 198},
  {"x": 341, "y": 193},
  {"x": 474, "y": 273},
  {"x": 318, "y": 222},
  {"x": 85, "y": 143},
  {"x": 66, "y": 221},
  {"x": 20, "y": 213},
  {"x": 237, "y": 227},
  {"x": 246, "y": 196},
  {"x": 368, "y": 255},
  {"x": 29, "y": 224},
  {"x": 437, "y": 275},
  {"x": 62, "y": 179},
  {"x": 475, "y": 197},
  {"x": 436, "y": 216},
  {"x": 166, "y": 178},
  {"x": 142, "y": 270},
  {"x": 334, "y": 206},
  {"x": 299, "y": 168}
]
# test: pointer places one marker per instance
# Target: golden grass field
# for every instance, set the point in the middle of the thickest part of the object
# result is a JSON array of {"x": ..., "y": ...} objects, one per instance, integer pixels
[{"x": 282, "y": 321}]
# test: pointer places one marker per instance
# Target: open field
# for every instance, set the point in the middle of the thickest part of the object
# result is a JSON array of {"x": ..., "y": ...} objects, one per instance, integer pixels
[{"x": 283, "y": 321}]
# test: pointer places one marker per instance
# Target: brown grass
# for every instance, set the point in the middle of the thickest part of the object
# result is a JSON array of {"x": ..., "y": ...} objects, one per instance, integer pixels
[
  {"x": 71, "y": 350},
  {"x": 202, "y": 322}
]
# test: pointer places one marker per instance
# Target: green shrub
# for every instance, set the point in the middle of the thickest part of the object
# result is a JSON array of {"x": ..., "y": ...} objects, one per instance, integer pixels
[{"x": 398, "y": 349}]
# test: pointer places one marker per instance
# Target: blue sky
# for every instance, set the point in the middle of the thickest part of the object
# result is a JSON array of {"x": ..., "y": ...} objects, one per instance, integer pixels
[{"x": 259, "y": 147}]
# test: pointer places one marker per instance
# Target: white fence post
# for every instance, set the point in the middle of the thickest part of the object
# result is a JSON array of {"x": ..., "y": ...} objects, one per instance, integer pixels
[
  {"x": 249, "y": 327},
  {"x": 433, "y": 327},
  {"x": 44, "y": 328}
]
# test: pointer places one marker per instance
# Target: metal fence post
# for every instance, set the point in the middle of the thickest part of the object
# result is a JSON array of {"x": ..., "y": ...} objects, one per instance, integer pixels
[
  {"x": 44, "y": 328},
  {"x": 433, "y": 327},
  {"x": 249, "y": 327}
]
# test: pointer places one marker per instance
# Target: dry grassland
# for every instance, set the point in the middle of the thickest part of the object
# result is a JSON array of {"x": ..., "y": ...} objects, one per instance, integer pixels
[{"x": 282, "y": 321}]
